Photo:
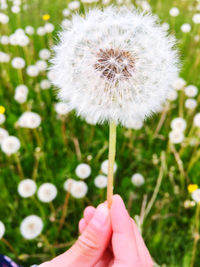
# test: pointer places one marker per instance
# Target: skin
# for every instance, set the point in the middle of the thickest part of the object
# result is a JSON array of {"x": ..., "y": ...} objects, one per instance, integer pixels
[{"x": 109, "y": 238}]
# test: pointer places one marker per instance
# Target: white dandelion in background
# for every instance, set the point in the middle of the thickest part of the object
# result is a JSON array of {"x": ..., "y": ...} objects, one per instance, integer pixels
[
  {"x": 79, "y": 189},
  {"x": 191, "y": 90},
  {"x": 18, "y": 63},
  {"x": 196, "y": 195},
  {"x": 29, "y": 120},
  {"x": 2, "y": 229},
  {"x": 27, "y": 188},
  {"x": 68, "y": 184},
  {"x": 62, "y": 108},
  {"x": 83, "y": 170},
  {"x": 44, "y": 54},
  {"x": 100, "y": 181},
  {"x": 31, "y": 227},
  {"x": 10, "y": 145},
  {"x": 104, "y": 166},
  {"x": 196, "y": 120},
  {"x": 47, "y": 192},
  {"x": 45, "y": 84},
  {"x": 176, "y": 137},
  {"x": 2, "y": 118},
  {"x": 114, "y": 65},
  {"x": 21, "y": 93},
  {"x": 3, "y": 134},
  {"x": 179, "y": 84},
  {"x": 178, "y": 124},
  {"x": 137, "y": 179},
  {"x": 191, "y": 103}
]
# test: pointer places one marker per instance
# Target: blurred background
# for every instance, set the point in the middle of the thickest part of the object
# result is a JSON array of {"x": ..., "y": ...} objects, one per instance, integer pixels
[{"x": 53, "y": 164}]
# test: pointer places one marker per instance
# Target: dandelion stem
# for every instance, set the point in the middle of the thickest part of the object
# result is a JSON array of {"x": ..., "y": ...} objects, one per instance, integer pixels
[
  {"x": 19, "y": 166},
  {"x": 9, "y": 246},
  {"x": 111, "y": 161}
]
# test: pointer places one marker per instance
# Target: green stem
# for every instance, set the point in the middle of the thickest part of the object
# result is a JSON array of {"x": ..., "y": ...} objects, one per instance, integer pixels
[{"x": 111, "y": 161}]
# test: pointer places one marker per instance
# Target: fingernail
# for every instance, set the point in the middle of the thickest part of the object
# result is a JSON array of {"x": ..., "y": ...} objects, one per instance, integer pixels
[{"x": 101, "y": 215}]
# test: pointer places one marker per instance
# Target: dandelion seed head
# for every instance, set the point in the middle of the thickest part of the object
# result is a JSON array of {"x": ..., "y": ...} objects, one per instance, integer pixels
[
  {"x": 47, "y": 192},
  {"x": 27, "y": 188},
  {"x": 114, "y": 65},
  {"x": 10, "y": 145},
  {"x": 31, "y": 227},
  {"x": 2, "y": 229}
]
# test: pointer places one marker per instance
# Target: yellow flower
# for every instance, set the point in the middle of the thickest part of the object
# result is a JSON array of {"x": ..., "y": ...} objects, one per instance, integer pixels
[
  {"x": 2, "y": 110},
  {"x": 192, "y": 187},
  {"x": 46, "y": 17}
]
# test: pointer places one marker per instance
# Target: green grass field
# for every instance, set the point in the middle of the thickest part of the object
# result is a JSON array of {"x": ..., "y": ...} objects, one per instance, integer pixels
[{"x": 51, "y": 152}]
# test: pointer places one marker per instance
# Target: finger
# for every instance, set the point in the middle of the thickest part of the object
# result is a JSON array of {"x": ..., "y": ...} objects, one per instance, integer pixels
[
  {"x": 88, "y": 213},
  {"x": 142, "y": 249},
  {"x": 91, "y": 244},
  {"x": 82, "y": 225},
  {"x": 105, "y": 260},
  {"x": 123, "y": 241}
]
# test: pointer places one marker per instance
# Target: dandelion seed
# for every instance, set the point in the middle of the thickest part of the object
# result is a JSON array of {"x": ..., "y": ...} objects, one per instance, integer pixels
[
  {"x": 174, "y": 12},
  {"x": 45, "y": 84},
  {"x": 62, "y": 108},
  {"x": 74, "y": 5},
  {"x": 2, "y": 118},
  {"x": 41, "y": 65},
  {"x": 172, "y": 95},
  {"x": 41, "y": 31},
  {"x": 176, "y": 137},
  {"x": 47, "y": 192},
  {"x": 83, "y": 170},
  {"x": 21, "y": 92},
  {"x": 196, "y": 18},
  {"x": 196, "y": 120},
  {"x": 186, "y": 27},
  {"x": 29, "y": 120},
  {"x": 49, "y": 27},
  {"x": 191, "y": 103},
  {"x": 137, "y": 179},
  {"x": 178, "y": 124},
  {"x": 4, "y": 19},
  {"x": 191, "y": 91},
  {"x": 196, "y": 195},
  {"x": 3, "y": 134},
  {"x": 4, "y": 57},
  {"x": 29, "y": 30},
  {"x": 79, "y": 189},
  {"x": 66, "y": 12},
  {"x": 68, "y": 184},
  {"x": 44, "y": 54},
  {"x": 27, "y": 188},
  {"x": 10, "y": 145},
  {"x": 100, "y": 181},
  {"x": 2, "y": 229},
  {"x": 31, "y": 227},
  {"x": 32, "y": 70},
  {"x": 18, "y": 63},
  {"x": 179, "y": 84},
  {"x": 4, "y": 40}
]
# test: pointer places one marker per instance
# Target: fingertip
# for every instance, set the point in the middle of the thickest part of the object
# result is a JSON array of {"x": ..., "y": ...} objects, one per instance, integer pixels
[
  {"x": 82, "y": 225},
  {"x": 88, "y": 213}
]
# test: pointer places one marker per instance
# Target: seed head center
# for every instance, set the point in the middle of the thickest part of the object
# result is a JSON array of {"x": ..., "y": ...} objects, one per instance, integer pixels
[{"x": 114, "y": 64}]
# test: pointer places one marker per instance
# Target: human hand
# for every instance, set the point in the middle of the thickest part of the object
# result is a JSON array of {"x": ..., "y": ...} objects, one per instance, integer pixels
[
  {"x": 109, "y": 238},
  {"x": 127, "y": 248}
]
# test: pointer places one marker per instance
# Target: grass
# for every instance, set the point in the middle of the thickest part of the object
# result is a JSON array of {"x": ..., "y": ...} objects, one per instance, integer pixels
[{"x": 169, "y": 227}]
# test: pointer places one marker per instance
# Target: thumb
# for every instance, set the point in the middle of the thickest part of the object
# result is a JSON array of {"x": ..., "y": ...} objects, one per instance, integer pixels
[{"x": 93, "y": 242}]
